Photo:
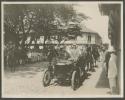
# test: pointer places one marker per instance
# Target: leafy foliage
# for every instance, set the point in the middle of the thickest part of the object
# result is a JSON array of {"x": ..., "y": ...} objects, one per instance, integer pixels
[{"x": 34, "y": 20}]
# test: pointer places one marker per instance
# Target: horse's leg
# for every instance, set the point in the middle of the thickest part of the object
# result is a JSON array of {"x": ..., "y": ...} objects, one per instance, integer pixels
[
  {"x": 87, "y": 66},
  {"x": 91, "y": 65},
  {"x": 13, "y": 65},
  {"x": 94, "y": 62},
  {"x": 10, "y": 63}
]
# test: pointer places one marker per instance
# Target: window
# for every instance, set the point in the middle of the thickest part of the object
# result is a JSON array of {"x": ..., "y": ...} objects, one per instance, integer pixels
[{"x": 89, "y": 38}]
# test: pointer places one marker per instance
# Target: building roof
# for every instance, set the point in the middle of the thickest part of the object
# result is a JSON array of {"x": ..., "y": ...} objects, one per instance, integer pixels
[{"x": 89, "y": 31}]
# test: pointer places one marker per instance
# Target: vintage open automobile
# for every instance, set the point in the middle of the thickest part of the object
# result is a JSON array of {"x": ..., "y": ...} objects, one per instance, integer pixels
[{"x": 64, "y": 69}]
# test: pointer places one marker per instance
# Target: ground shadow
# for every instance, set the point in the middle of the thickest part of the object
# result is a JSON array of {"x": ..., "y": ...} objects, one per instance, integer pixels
[
  {"x": 67, "y": 83},
  {"x": 26, "y": 70},
  {"x": 61, "y": 83},
  {"x": 103, "y": 80}
]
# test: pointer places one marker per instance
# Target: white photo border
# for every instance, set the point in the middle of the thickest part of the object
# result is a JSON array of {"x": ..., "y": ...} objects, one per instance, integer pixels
[{"x": 65, "y": 2}]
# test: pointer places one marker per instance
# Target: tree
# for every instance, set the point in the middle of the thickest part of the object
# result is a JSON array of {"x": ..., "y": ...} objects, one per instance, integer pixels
[
  {"x": 50, "y": 20},
  {"x": 66, "y": 15},
  {"x": 18, "y": 20},
  {"x": 35, "y": 20}
]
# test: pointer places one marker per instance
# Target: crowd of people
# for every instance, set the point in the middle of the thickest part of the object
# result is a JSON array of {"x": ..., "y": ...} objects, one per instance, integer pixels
[
  {"x": 86, "y": 56},
  {"x": 15, "y": 56}
]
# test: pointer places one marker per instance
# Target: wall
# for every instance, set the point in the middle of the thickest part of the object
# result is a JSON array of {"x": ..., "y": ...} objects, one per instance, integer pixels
[{"x": 95, "y": 39}]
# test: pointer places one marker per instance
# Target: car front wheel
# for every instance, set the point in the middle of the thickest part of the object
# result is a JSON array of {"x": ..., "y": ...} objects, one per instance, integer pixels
[
  {"x": 75, "y": 81},
  {"x": 46, "y": 78}
]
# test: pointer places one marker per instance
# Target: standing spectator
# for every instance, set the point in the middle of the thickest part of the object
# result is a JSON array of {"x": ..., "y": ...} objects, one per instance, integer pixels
[
  {"x": 52, "y": 55},
  {"x": 106, "y": 61},
  {"x": 95, "y": 54},
  {"x": 101, "y": 55},
  {"x": 112, "y": 70},
  {"x": 12, "y": 57},
  {"x": 29, "y": 54},
  {"x": 89, "y": 59}
]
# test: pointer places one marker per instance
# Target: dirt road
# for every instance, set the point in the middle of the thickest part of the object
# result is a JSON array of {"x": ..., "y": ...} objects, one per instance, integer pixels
[{"x": 27, "y": 82}]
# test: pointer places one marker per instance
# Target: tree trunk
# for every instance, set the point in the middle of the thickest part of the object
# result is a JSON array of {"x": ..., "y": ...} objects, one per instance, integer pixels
[{"x": 44, "y": 44}]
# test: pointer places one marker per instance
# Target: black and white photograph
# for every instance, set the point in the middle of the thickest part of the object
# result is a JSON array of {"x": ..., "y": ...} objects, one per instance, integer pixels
[{"x": 62, "y": 49}]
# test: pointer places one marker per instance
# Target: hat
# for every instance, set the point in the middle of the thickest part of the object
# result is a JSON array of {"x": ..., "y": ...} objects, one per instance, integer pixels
[
  {"x": 111, "y": 49},
  {"x": 61, "y": 46},
  {"x": 74, "y": 44}
]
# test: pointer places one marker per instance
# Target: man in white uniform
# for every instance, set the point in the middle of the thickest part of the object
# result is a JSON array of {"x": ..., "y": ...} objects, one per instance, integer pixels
[
  {"x": 112, "y": 70},
  {"x": 74, "y": 52}
]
